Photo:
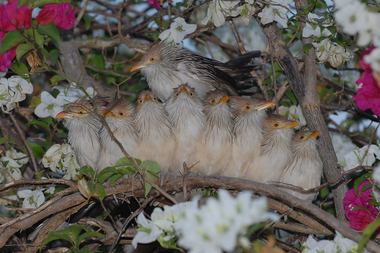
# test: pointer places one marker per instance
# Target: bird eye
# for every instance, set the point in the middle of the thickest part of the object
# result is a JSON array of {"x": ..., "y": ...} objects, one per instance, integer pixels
[
  {"x": 140, "y": 101},
  {"x": 247, "y": 107},
  {"x": 191, "y": 94},
  {"x": 177, "y": 94},
  {"x": 152, "y": 59},
  {"x": 276, "y": 125},
  {"x": 81, "y": 112},
  {"x": 301, "y": 137},
  {"x": 121, "y": 113},
  {"x": 213, "y": 101},
  {"x": 154, "y": 98}
]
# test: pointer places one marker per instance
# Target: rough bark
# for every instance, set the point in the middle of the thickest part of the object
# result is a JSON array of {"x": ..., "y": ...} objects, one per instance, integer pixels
[{"x": 307, "y": 95}]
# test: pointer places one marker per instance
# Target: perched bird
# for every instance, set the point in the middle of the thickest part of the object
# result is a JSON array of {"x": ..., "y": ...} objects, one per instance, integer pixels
[
  {"x": 120, "y": 117},
  {"x": 167, "y": 66},
  {"x": 156, "y": 139},
  {"x": 306, "y": 169},
  {"x": 213, "y": 150},
  {"x": 188, "y": 120},
  {"x": 275, "y": 150},
  {"x": 83, "y": 125},
  {"x": 247, "y": 129}
]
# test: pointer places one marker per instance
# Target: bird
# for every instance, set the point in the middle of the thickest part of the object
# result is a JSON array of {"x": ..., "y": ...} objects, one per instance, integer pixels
[
  {"x": 156, "y": 138},
  {"x": 213, "y": 150},
  {"x": 249, "y": 115},
  {"x": 167, "y": 66},
  {"x": 306, "y": 169},
  {"x": 83, "y": 125},
  {"x": 188, "y": 122},
  {"x": 275, "y": 150},
  {"x": 120, "y": 117}
]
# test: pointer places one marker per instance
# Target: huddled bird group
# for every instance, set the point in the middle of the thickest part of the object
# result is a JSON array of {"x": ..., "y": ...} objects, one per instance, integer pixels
[{"x": 194, "y": 115}]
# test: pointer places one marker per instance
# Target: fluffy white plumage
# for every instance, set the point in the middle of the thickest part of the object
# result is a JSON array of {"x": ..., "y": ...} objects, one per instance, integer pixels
[
  {"x": 249, "y": 117},
  {"x": 275, "y": 150},
  {"x": 156, "y": 139},
  {"x": 188, "y": 121},
  {"x": 213, "y": 150},
  {"x": 120, "y": 117},
  {"x": 306, "y": 169},
  {"x": 83, "y": 126}
]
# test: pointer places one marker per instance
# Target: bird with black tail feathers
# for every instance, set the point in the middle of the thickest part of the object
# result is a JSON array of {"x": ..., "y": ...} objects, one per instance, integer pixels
[
  {"x": 167, "y": 66},
  {"x": 306, "y": 169}
]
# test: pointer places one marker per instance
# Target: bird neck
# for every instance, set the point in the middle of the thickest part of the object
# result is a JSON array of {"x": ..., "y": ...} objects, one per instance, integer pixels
[
  {"x": 278, "y": 140},
  {"x": 219, "y": 122},
  {"x": 306, "y": 150},
  {"x": 249, "y": 127}
]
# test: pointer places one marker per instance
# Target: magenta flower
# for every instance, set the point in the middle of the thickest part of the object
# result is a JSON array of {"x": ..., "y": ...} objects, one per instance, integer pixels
[
  {"x": 368, "y": 96},
  {"x": 155, "y": 3},
  {"x": 365, "y": 213},
  {"x": 63, "y": 15},
  {"x": 7, "y": 57},
  {"x": 12, "y": 17}
]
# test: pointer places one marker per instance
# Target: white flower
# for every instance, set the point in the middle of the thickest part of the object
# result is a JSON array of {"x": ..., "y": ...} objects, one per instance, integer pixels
[
  {"x": 310, "y": 31},
  {"x": 334, "y": 54},
  {"x": 178, "y": 30},
  {"x": 32, "y": 199},
  {"x": 246, "y": 11},
  {"x": 354, "y": 158},
  {"x": 342, "y": 146},
  {"x": 293, "y": 112},
  {"x": 216, "y": 11},
  {"x": 376, "y": 175},
  {"x": 373, "y": 59},
  {"x": 277, "y": 13},
  {"x": 147, "y": 232},
  {"x": 50, "y": 106},
  {"x": 12, "y": 91},
  {"x": 52, "y": 157}
]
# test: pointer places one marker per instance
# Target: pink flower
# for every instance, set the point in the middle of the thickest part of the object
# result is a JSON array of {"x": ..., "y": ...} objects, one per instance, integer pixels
[
  {"x": 366, "y": 213},
  {"x": 368, "y": 96},
  {"x": 7, "y": 57},
  {"x": 65, "y": 16},
  {"x": 12, "y": 17},
  {"x": 47, "y": 14},
  {"x": 155, "y": 3}
]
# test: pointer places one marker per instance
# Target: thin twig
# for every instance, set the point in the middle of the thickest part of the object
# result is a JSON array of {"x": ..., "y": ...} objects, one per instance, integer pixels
[{"x": 31, "y": 155}]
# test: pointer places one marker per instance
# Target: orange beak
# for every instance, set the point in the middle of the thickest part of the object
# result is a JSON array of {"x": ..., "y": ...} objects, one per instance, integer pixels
[
  {"x": 292, "y": 124},
  {"x": 147, "y": 98},
  {"x": 224, "y": 99},
  {"x": 107, "y": 113},
  {"x": 183, "y": 88},
  {"x": 63, "y": 115},
  {"x": 315, "y": 134},
  {"x": 137, "y": 66},
  {"x": 266, "y": 105}
]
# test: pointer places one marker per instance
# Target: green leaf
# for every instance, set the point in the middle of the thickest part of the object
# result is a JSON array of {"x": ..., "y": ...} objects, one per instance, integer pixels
[
  {"x": 84, "y": 236},
  {"x": 307, "y": 47},
  {"x": 49, "y": 30},
  {"x": 4, "y": 140},
  {"x": 358, "y": 182},
  {"x": 147, "y": 185},
  {"x": 57, "y": 235},
  {"x": 40, "y": 174},
  {"x": 106, "y": 173},
  {"x": 40, "y": 3},
  {"x": 123, "y": 162},
  {"x": 87, "y": 21},
  {"x": 114, "y": 178},
  {"x": 37, "y": 150},
  {"x": 54, "y": 54},
  {"x": 151, "y": 167},
  {"x": 368, "y": 232},
  {"x": 38, "y": 123},
  {"x": 23, "y": 3},
  {"x": 292, "y": 97},
  {"x": 55, "y": 79},
  {"x": 10, "y": 40},
  {"x": 22, "y": 50},
  {"x": 101, "y": 191},
  {"x": 22, "y": 70},
  {"x": 127, "y": 170}
]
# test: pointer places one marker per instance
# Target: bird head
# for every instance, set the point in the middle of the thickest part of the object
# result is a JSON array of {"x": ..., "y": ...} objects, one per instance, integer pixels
[
  {"x": 145, "y": 96},
  {"x": 80, "y": 109},
  {"x": 243, "y": 106},
  {"x": 305, "y": 136},
  {"x": 120, "y": 109},
  {"x": 276, "y": 122},
  {"x": 216, "y": 97},
  {"x": 155, "y": 56},
  {"x": 184, "y": 90}
]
